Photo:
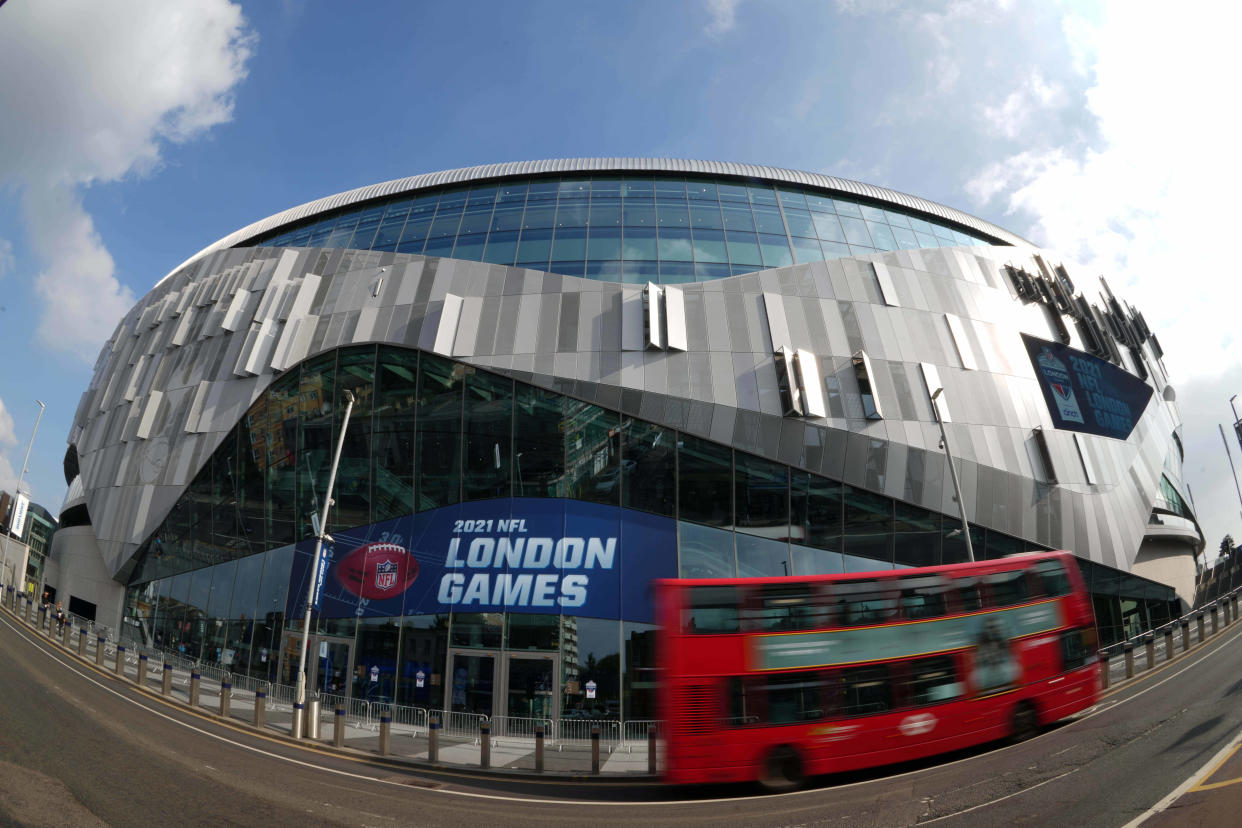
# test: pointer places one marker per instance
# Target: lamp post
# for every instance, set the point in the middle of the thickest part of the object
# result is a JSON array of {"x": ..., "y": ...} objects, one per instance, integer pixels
[
  {"x": 20, "y": 478},
  {"x": 957, "y": 488},
  {"x": 299, "y": 712},
  {"x": 1229, "y": 454}
]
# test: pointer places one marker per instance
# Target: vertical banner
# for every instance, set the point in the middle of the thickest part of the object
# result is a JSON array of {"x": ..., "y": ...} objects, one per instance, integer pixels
[{"x": 18, "y": 521}]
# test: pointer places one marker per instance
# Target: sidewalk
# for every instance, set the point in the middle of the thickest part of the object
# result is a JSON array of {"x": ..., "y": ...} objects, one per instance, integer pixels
[{"x": 617, "y": 760}]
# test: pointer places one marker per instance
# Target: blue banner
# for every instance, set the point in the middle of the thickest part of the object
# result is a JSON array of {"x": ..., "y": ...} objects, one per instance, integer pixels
[
  {"x": 1085, "y": 393},
  {"x": 526, "y": 555}
]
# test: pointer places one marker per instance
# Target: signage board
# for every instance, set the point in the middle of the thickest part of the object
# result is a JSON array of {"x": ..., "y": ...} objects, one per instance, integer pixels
[
  {"x": 1085, "y": 393},
  {"x": 18, "y": 521},
  {"x": 525, "y": 555}
]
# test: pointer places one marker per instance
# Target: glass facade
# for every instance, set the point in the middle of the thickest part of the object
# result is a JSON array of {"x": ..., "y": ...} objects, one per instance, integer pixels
[
  {"x": 660, "y": 228},
  {"x": 428, "y": 432}
]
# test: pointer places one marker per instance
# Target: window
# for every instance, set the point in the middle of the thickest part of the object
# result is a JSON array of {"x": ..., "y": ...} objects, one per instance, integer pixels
[
  {"x": 923, "y": 597},
  {"x": 794, "y": 697},
  {"x": 968, "y": 595},
  {"x": 1053, "y": 577},
  {"x": 1076, "y": 647},
  {"x": 867, "y": 690},
  {"x": 711, "y": 610},
  {"x": 864, "y": 602},
  {"x": 933, "y": 680},
  {"x": 1008, "y": 588},
  {"x": 788, "y": 608}
]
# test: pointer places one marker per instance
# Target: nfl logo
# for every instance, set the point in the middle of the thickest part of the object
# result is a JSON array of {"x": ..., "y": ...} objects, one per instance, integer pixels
[{"x": 386, "y": 574}]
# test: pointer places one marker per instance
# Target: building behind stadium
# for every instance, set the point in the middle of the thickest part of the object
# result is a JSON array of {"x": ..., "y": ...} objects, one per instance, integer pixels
[{"x": 571, "y": 377}]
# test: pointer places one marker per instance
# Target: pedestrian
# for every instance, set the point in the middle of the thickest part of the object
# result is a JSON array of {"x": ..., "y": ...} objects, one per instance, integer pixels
[{"x": 60, "y": 617}]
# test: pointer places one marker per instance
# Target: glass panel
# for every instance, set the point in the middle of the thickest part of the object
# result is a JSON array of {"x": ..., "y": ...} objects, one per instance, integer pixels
[
  {"x": 640, "y": 212},
  {"x": 775, "y": 251},
  {"x": 639, "y": 671},
  {"x": 856, "y": 231},
  {"x": 501, "y": 248},
  {"x": 768, "y": 220},
  {"x": 809, "y": 561},
  {"x": 331, "y": 666},
  {"x": 639, "y": 243},
  {"x": 705, "y": 482},
  {"x": 591, "y": 662},
  {"x": 473, "y": 684},
  {"x": 882, "y": 235},
  {"x": 477, "y": 629},
  {"x": 675, "y": 244},
  {"x": 738, "y": 217},
  {"x": 392, "y": 471},
  {"x": 761, "y": 557},
  {"x": 705, "y": 215},
  {"x": 530, "y": 688},
  {"x": 270, "y": 611},
  {"x": 647, "y": 467},
  {"x": 535, "y": 248},
  {"x": 569, "y": 244},
  {"x": 672, "y": 213},
  {"x": 539, "y": 452},
  {"x": 488, "y": 424},
  {"x": 375, "y": 662},
  {"x": 807, "y": 250},
  {"x": 705, "y": 552},
  {"x": 315, "y": 401},
  {"x": 761, "y": 496},
  {"x": 507, "y": 217},
  {"x": 532, "y": 632},
  {"x": 800, "y": 224},
  {"x": 572, "y": 214},
  {"x": 743, "y": 248},
  {"x": 439, "y": 433},
  {"x": 604, "y": 243},
  {"x": 592, "y": 452},
  {"x": 866, "y": 512},
  {"x": 424, "y": 648},
  {"x": 355, "y": 373}
]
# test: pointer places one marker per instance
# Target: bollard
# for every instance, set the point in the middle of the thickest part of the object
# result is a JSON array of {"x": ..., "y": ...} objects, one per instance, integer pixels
[
  {"x": 338, "y": 727},
  {"x": 260, "y": 703},
  {"x": 1215, "y": 619},
  {"x": 1104, "y": 672},
  {"x": 195, "y": 680},
  {"x": 226, "y": 698},
  {"x": 433, "y": 738},
  {"x": 66, "y": 633},
  {"x": 312, "y": 719},
  {"x": 651, "y": 749},
  {"x": 1129, "y": 660},
  {"x": 30, "y": 613},
  {"x": 299, "y": 719},
  {"x": 1185, "y": 635},
  {"x": 166, "y": 686},
  {"x": 594, "y": 748},
  {"x": 1199, "y": 624},
  {"x": 385, "y": 735},
  {"x": 485, "y": 745},
  {"x": 538, "y": 748},
  {"x": 82, "y": 642},
  {"x": 42, "y": 614},
  {"x": 141, "y": 678},
  {"x": 1168, "y": 643},
  {"x": 1151, "y": 650},
  {"x": 99, "y": 650},
  {"x": 1234, "y": 602},
  {"x": 120, "y": 659}
]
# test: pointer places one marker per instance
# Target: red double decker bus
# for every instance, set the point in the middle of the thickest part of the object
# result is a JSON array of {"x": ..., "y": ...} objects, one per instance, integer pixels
[{"x": 776, "y": 679}]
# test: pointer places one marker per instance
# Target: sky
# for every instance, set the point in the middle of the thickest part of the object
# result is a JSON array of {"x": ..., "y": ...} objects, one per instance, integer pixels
[{"x": 134, "y": 133}]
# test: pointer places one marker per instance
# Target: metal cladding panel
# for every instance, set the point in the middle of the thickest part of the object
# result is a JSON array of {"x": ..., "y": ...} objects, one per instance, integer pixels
[{"x": 724, "y": 385}]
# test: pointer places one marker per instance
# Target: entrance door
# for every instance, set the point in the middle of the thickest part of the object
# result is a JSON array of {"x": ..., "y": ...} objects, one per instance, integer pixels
[
  {"x": 328, "y": 663},
  {"x": 494, "y": 684}
]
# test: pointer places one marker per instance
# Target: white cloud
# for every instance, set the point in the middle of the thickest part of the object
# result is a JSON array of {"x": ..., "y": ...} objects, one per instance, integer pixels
[
  {"x": 105, "y": 87},
  {"x": 8, "y": 439},
  {"x": 7, "y": 261},
  {"x": 1013, "y": 116},
  {"x": 722, "y": 16}
]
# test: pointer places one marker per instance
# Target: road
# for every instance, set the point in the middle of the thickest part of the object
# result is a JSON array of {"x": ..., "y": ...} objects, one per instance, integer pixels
[{"x": 79, "y": 747}]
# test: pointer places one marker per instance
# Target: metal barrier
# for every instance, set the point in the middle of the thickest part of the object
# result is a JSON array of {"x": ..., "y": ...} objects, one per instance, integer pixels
[
  {"x": 520, "y": 727},
  {"x": 579, "y": 730},
  {"x": 635, "y": 730},
  {"x": 453, "y": 723}
]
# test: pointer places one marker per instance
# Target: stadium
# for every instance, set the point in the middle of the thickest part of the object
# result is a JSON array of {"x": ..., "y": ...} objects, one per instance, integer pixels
[{"x": 572, "y": 377}]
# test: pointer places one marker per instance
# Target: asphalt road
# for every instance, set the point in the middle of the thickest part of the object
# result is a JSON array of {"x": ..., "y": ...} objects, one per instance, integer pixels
[{"x": 79, "y": 747}]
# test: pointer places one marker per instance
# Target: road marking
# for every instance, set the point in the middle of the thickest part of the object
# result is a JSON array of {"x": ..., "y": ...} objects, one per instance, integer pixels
[
  {"x": 1001, "y": 799},
  {"x": 1210, "y": 767}
]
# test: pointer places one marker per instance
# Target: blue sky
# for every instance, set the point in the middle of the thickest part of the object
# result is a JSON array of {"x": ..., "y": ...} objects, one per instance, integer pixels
[{"x": 140, "y": 132}]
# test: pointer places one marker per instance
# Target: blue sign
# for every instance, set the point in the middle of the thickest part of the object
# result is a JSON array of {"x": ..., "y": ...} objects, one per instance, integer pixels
[
  {"x": 1085, "y": 393},
  {"x": 526, "y": 555}
]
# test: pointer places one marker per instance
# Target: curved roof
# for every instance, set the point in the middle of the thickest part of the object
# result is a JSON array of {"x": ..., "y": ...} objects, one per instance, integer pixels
[{"x": 579, "y": 165}]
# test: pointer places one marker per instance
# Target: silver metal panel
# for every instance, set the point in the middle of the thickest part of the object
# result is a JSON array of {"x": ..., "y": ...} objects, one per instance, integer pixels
[
  {"x": 810, "y": 384},
  {"x": 778, "y": 329},
  {"x": 957, "y": 333},
  {"x": 446, "y": 331},
  {"x": 675, "y": 319},
  {"x": 653, "y": 316},
  {"x": 150, "y": 408}
]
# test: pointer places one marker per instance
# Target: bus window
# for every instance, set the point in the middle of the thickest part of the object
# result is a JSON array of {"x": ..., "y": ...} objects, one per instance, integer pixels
[
  {"x": 1076, "y": 647},
  {"x": 711, "y": 610},
  {"x": 743, "y": 698},
  {"x": 923, "y": 597},
  {"x": 968, "y": 595},
  {"x": 1008, "y": 588},
  {"x": 795, "y": 697},
  {"x": 867, "y": 690},
  {"x": 864, "y": 602},
  {"x": 933, "y": 680},
  {"x": 1053, "y": 577},
  {"x": 787, "y": 608}
]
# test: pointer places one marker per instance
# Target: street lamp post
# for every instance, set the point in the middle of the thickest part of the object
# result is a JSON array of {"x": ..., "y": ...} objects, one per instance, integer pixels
[
  {"x": 957, "y": 488},
  {"x": 299, "y": 712},
  {"x": 20, "y": 478},
  {"x": 1229, "y": 454}
]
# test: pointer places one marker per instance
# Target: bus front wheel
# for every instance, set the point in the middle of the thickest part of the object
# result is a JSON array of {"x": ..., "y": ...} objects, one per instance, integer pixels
[
  {"x": 782, "y": 770},
  {"x": 1025, "y": 722}
]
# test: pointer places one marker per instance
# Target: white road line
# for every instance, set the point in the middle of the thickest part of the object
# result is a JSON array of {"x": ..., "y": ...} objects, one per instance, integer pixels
[{"x": 1194, "y": 779}]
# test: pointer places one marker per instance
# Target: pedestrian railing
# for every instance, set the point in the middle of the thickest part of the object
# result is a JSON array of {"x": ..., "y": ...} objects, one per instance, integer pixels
[
  {"x": 580, "y": 730},
  {"x": 521, "y": 727}
]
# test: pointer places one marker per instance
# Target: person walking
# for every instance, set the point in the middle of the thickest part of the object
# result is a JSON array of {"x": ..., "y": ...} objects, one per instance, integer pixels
[{"x": 60, "y": 617}]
